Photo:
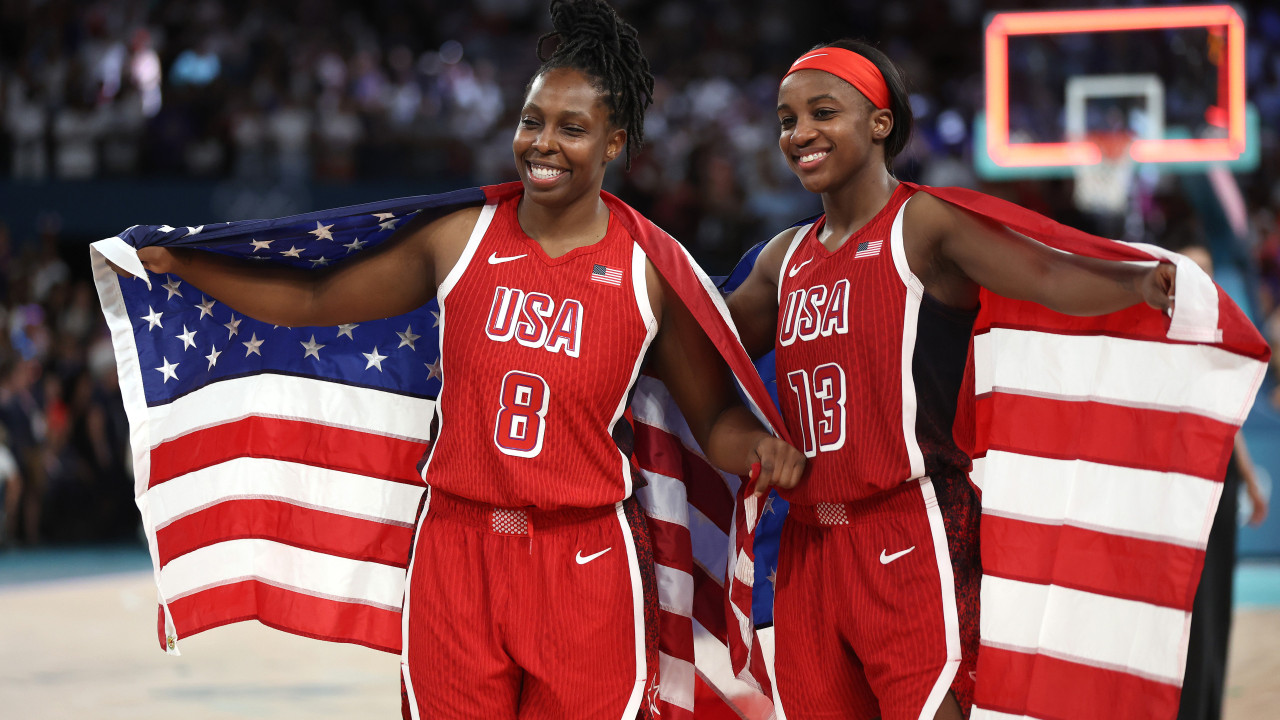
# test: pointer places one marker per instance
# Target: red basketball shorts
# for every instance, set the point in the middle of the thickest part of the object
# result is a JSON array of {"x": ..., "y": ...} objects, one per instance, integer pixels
[
  {"x": 529, "y": 614},
  {"x": 876, "y": 605}
]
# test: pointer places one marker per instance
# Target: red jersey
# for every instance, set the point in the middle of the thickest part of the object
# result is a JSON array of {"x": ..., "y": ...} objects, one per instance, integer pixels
[
  {"x": 869, "y": 368},
  {"x": 538, "y": 357}
]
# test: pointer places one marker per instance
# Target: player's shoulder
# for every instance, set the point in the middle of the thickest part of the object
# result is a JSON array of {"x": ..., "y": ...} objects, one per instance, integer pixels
[{"x": 775, "y": 250}]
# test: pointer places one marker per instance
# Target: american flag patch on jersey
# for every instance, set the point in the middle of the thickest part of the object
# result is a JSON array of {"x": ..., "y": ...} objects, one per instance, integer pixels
[
  {"x": 868, "y": 248},
  {"x": 607, "y": 275}
]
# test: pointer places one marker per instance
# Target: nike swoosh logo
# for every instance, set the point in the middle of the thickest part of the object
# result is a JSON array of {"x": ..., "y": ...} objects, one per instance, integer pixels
[
  {"x": 886, "y": 559},
  {"x": 796, "y": 268},
  {"x": 584, "y": 560},
  {"x": 495, "y": 260}
]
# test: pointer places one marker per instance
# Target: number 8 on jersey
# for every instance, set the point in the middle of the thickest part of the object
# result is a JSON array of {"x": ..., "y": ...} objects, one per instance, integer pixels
[{"x": 523, "y": 405}]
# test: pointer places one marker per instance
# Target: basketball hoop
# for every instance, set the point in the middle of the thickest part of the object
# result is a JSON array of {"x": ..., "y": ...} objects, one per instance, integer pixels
[{"x": 1103, "y": 188}]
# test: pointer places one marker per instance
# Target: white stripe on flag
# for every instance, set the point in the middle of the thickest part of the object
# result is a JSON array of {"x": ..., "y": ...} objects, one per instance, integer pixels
[
  {"x": 985, "y": 714},
  {"x": 285, "y": 396},
  {"x": 675, "y": 590},
  {"x": 284, "y": 566},
  {"x": 1098, "y": 497},
  {"x": 677, "y": 681},
  {"x": 304, "y": 485},
  {"x": 1194, "y": 378},
  {"x": 1126, "y": 635}
]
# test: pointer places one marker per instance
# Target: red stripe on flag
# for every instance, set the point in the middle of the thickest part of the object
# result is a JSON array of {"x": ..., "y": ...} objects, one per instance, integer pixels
[
  {"x": 709, "y": 705},
  {"x": 708, "y": 604},
  {"x": 676, "y": 633},
  {"x": 675, "y": 712},
  {"x": 661, "y": 452},
  {"x": 1097, "y": 562},
  {"x": 283, "y": 522},
  {"x": 1041, "y": 686},
  {"x": 1114, "y": 434},
  {"x": 672, "y": 545},
  {"x": 287, "y": 610},
  {"x": 297, "y": 441}
]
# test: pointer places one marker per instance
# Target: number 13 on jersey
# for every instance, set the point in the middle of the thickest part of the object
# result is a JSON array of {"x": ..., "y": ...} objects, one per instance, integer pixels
[
  {"x": 820, "y": 397},
  {"x": 523, "y": 406}
]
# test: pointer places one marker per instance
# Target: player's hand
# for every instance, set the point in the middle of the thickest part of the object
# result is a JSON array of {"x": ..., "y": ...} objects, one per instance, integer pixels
[
  {"x": 1158, "y": 286},
  {"x": 159, "y": 260},
  {"x": 775, "y": 463}
]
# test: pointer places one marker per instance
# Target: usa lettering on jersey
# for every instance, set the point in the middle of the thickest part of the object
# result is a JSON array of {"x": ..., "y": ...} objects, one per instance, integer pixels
[
  {"x": 533, "y": 320},
  {"x": 819, "y": 311}
]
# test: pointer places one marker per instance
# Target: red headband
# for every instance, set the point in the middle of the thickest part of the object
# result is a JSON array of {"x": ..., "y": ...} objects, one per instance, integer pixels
[{"x": 850, "y": 67}]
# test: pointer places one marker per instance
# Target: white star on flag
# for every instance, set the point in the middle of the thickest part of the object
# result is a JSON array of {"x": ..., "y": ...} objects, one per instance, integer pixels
[
  {"x": 322, "y": 232},
  {"x": 407, "y": 337},
  {"x": 170, "y": 370},
  {"x": 346, "y": 330},
  {"x": 382, "y": 217},
  {"x": 188, "y": 338},
  {"x": 375, "y": 360},
  {"x": 153, "y": 319},
  {"x": 319, "y": 262},
  {"x": 212, "y": 357},
  {"x": 435, "y": 319},
  {"x": 768, "y": 506},
  {"x": 293, "y": 252},
  {"x": 233, "y": 327},
  {"x": 355, "y": 244},
  {"x": 312, "y": 348},
  {"x": 252, "y": 347},
  {"x": 172, "y": 287},
  {"x": 435, "y": 370},
  {"x": 388, "y": 225},
  {"x": 206, "y": 308},
  {"x": 260, "y": 244}
]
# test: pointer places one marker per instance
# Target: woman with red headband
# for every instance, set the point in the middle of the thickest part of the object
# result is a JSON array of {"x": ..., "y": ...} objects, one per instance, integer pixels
[{"x": 870, "y": 310}]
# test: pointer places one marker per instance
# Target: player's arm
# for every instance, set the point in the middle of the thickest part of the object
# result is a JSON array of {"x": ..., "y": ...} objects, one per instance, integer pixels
[
  {"x": 953, "y": 251},
  {"x": 754, "y": 304},
  {"x": 685, "y": 359},
  {"x": 397, "y": 276}
]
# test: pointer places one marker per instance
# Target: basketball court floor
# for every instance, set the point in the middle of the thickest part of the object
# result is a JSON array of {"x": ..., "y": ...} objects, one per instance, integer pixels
[{"x": 77, "y": 640}]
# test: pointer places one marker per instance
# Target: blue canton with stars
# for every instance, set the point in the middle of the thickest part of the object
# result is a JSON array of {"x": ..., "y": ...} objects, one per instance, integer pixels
[{"x": 186, "y": 339}]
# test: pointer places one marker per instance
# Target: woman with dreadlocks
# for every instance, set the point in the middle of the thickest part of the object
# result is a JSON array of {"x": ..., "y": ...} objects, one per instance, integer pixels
[{"x": 527, "y": 588}]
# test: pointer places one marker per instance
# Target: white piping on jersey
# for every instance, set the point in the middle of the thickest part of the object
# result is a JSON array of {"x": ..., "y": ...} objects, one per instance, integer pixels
[
  {"x": 786, "y": 259},
  {"x": 910, "y": 323},
  {"x": 404, "y": 614},
  {"x": 950, "y": 614},
  {"x": 640, "y": 289},
  {"x": 460, "y": 267},
  {"x": 637, "y": 607},
  {"x": 468, "y": 252}
]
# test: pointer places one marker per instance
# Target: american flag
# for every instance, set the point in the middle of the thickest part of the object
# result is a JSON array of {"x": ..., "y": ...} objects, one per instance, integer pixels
[
  {"x": 275, "y": 468},
  {"x": 607, "y": 275},
  {"x": 1101, "y": 444},
  {"x": 868, "y": 248}
]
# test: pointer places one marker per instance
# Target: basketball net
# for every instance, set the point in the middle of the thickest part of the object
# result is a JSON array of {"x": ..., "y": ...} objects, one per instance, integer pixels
[{"x": 1104, "y": 188}]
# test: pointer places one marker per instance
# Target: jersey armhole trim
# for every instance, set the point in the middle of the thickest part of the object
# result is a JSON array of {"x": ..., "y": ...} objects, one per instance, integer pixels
[
  {"x": 786, "y": 259},
  {"x": 473, "y": 244},
  {"x": 898, "y": 248}
]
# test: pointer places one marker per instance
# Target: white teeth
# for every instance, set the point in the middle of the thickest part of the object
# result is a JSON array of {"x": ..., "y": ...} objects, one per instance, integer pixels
[
  {"x": 542, "y": 172},
  {"x": 813, "y": 156}
]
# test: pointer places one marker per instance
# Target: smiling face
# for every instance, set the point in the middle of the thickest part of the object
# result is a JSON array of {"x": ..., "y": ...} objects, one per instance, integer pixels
[
  {"x": 564, "y": 139},
  {"x": 830, "y": 132}
]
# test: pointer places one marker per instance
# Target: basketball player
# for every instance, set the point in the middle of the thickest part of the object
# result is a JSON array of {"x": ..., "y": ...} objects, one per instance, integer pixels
[
  {"x": 527, "y": 589},
  {"x": 870, "y": 310}
]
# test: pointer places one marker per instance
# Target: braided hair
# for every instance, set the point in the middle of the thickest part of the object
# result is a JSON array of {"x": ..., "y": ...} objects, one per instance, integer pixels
[{"x": 604, "y": 47}]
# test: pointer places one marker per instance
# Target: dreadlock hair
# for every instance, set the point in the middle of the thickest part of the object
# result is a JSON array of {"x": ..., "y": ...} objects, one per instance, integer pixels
[
  {"x": 604, "y": 47},
  {"x": 899, "y": 100}
]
